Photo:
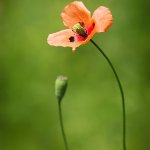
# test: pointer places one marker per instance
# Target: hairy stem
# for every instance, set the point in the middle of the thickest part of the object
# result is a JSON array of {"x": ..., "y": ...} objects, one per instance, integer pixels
[
  {"x": 121, "y": 91},
  {"x": 62, "y": 126}
]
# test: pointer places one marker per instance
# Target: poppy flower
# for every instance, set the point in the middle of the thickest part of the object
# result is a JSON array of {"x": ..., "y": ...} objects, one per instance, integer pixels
[{"x": 81, "y": 26}]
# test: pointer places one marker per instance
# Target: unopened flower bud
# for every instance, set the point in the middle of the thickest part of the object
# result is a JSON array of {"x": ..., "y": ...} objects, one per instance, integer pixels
[{"x": 60, "y": 87}]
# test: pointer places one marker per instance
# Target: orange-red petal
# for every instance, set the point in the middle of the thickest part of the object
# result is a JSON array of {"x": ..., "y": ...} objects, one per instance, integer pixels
[
  {"x": 74, "y": 13},
  {"x": 91, "y": 31},
  {"x": 103, "y": 19},
  {"x": 62, "y": 38}
]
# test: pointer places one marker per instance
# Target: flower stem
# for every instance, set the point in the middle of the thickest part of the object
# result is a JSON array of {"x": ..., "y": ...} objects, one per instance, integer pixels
[
  {"x": 62, "y": 126},
  {"x": 121, "y": 91}
]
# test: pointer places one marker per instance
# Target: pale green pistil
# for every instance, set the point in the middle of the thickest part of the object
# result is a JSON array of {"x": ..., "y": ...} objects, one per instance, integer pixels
[{"x": 78, "y": 28}]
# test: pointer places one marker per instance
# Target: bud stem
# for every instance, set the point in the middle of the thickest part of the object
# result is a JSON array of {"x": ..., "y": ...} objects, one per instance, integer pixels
[
  {"x": 62, "y": 126},
  {"x": 121, "y": 91}
]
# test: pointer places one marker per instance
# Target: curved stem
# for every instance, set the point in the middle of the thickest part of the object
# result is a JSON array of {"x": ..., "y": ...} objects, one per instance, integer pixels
[
  {"x": 121, "y": 91},
  {"x": 62, "y": 126}
]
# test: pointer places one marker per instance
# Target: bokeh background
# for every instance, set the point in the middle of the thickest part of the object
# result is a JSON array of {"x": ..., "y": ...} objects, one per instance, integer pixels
[{"x": 92, "y": 105}]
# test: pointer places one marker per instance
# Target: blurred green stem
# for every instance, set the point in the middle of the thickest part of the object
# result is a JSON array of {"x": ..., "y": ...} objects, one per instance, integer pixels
[
  {"x": 62, "y": 126},
  {"x": 121, "y": 91}
]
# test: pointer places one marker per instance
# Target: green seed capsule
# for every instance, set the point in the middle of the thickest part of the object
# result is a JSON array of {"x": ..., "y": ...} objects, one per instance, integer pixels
[
  {"x": 79, "y": 28},
  {"x": 60, "y": 87}
]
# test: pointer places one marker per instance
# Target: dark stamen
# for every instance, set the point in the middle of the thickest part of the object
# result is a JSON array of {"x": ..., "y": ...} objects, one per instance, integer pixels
[
  {"x": 82, "y": 24},
  {"x": 71, "y": 39},
  {"x": 93, "y": 24}
]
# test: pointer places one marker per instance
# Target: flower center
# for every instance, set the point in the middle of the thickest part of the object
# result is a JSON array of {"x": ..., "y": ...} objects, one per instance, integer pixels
[{"x": 79, "y": 28}]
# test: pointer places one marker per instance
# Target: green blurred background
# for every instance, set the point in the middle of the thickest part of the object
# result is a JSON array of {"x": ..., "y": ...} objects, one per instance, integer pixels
[{"x": 92, "y": 106}]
